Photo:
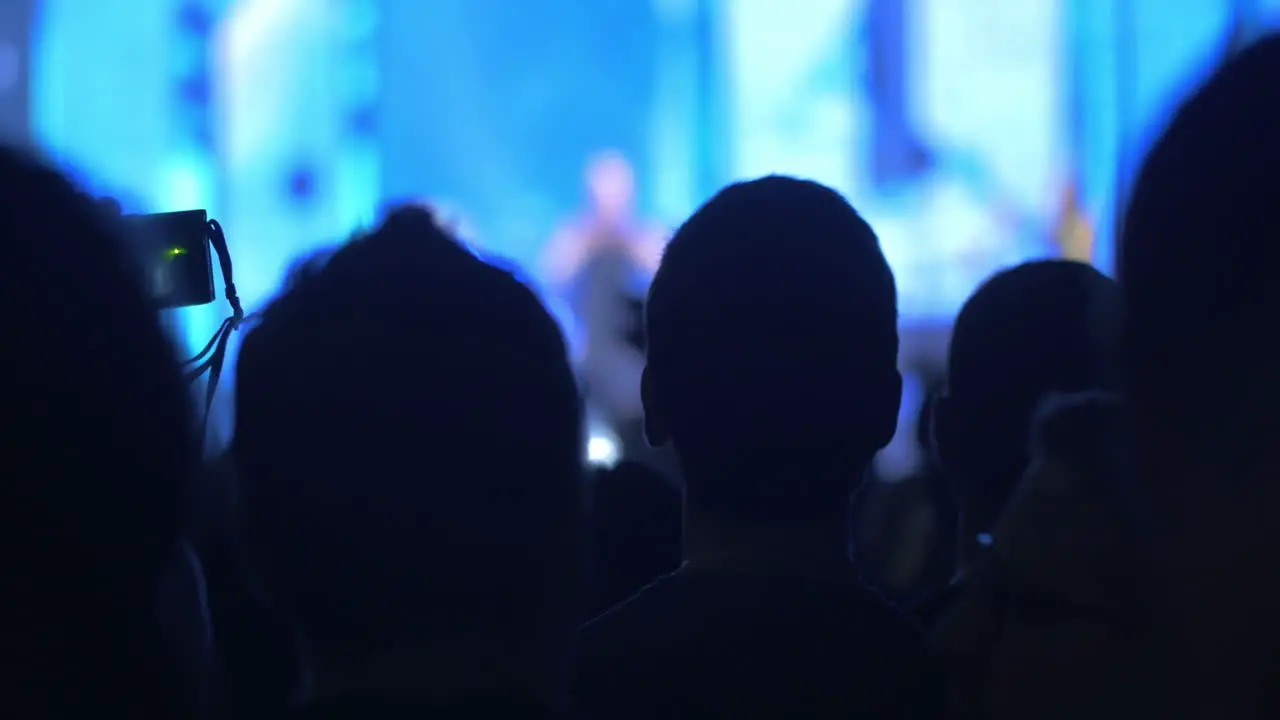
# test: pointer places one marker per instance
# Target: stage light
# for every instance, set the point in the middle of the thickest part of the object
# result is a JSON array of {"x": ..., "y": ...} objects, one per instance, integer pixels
[{"x": 602, "y": 451}]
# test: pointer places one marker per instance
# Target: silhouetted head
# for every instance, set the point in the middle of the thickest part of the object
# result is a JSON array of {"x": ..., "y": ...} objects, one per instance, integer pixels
[
  {"x": 1196, "y": 258},
  {"x": 409, "y": 444},
  {"x": 98, "y": 456},
  {"x": 1039, "y": 329},
  {"x": 1197, "y": 269},
  {"x": 611, "y": 185},
  {"x": 772, "y": 351}
]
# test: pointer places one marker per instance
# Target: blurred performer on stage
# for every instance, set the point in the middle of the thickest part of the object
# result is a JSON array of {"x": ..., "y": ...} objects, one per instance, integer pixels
[{"x": 600, "y": 262}]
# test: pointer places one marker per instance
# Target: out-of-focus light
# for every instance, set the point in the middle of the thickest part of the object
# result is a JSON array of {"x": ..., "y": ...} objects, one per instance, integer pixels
[
  {"x": 186, "y": 185},
  {"x": 985, "y": 539},
  {"x": 10, "y": 66},
  {"x": 602, "y": 451}
]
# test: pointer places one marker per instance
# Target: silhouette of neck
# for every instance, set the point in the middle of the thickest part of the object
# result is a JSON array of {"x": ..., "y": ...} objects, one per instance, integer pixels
[
  {"x": 968, "y": 553},
  {"x": 976, "y": 520},
  {"x": 979, "y": 508},
  {"x": 818, "y": 549}
]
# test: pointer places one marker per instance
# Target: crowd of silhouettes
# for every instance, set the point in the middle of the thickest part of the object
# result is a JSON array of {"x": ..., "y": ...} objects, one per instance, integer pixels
[{"x": 404, "y": 525}]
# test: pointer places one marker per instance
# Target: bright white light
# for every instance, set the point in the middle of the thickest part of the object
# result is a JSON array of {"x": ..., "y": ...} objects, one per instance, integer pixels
[{"x": 602, "y": 451}]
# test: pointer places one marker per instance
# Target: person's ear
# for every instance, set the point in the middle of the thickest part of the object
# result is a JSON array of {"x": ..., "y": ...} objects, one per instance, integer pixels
[{"x": 655, "y": 423}]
